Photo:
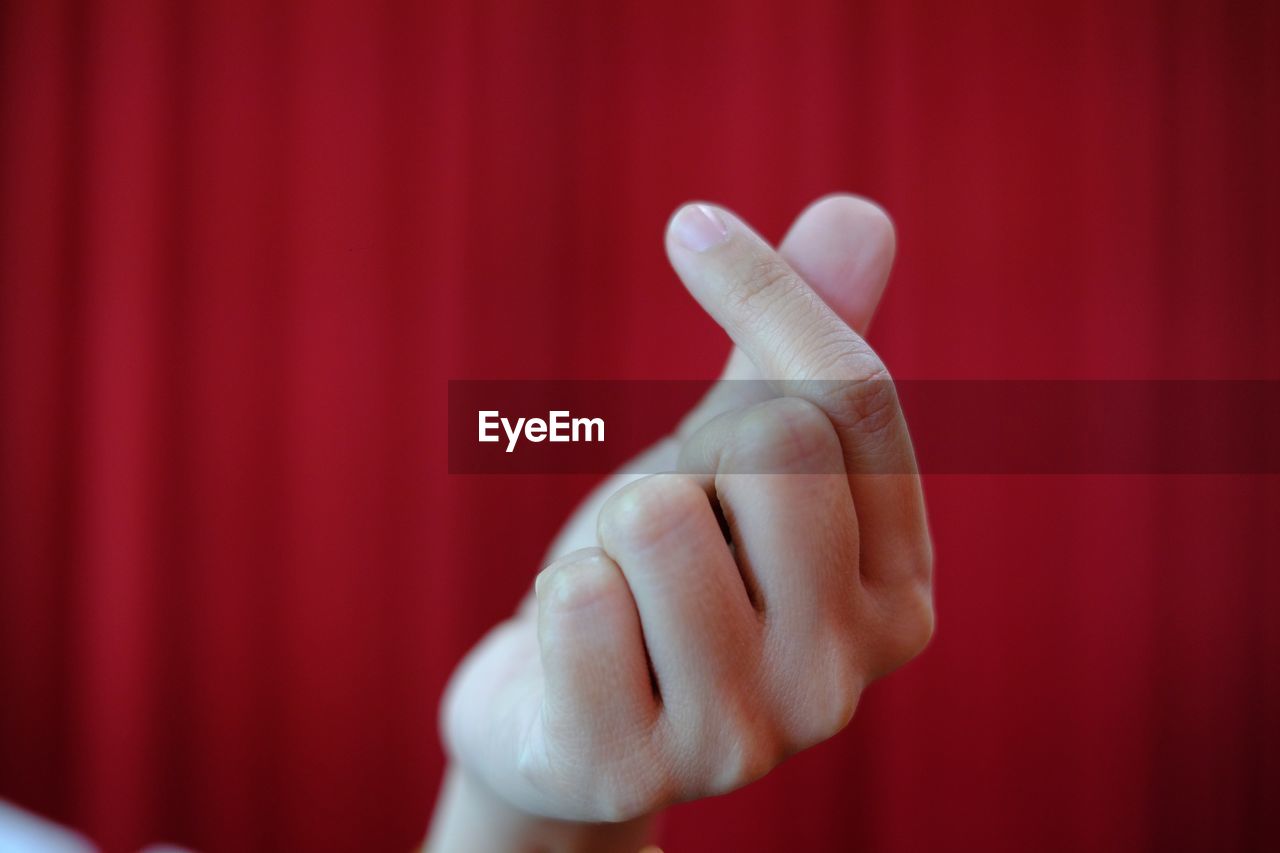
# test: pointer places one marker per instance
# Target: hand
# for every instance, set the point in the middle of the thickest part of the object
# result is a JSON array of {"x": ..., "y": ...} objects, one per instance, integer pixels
[{"x": 666, "y": 663}]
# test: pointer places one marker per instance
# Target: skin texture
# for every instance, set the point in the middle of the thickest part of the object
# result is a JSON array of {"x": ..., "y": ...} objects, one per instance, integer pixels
[{"x": 659, "y": 662}]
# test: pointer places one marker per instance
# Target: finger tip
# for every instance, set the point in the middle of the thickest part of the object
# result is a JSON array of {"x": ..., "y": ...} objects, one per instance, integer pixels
[
  {"x": 844, "y": 246},
  {"x": 849, "y": 213},
  {"x": 697, "y": 227},
  {"x": 574, "y": 583}
]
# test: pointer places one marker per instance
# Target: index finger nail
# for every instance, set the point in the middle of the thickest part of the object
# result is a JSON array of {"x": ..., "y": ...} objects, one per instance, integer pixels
[{"x": 698, "y": 228}]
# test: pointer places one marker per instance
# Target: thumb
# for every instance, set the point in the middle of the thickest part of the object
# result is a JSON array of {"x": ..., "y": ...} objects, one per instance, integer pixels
[{"x": 843, "y": 246}]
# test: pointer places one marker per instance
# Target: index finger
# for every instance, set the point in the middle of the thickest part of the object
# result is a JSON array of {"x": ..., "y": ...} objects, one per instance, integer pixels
[{"x": 805, "y": 350}]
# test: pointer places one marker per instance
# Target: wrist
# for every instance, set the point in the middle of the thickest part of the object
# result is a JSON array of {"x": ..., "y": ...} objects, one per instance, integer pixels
[{"x": 470, "y": 817}]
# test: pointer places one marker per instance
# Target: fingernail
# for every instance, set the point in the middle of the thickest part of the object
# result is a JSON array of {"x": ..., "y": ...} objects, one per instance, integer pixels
[
  {"x": 570, "y": 584},
  {"x": 542, "y": 581},
  {"x": 698, "y": 228}
]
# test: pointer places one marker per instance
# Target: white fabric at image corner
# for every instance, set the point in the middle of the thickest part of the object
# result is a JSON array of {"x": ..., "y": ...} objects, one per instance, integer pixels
[{"x": 24, "y": 832}]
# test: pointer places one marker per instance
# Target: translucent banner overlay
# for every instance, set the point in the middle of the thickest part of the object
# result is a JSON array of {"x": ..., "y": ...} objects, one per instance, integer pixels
[{"x": 957, "y": 426}]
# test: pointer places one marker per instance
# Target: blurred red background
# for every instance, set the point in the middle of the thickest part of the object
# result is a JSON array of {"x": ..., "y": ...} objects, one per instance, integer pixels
[{"x": 244, "y": 246}]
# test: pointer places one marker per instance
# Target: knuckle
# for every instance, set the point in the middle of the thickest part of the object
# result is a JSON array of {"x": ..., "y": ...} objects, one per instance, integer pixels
[
  {"x": 840, "y": 355},
  {"x": 921, "y": 623},
  {"x": 867, "y": 405},
  {"x": 912, "y": 564},
  {"x": 782, "y": 435},
  {"x": 647, "y": 511},
  {"x": 835, "y": 712},
  {"x": 754, "y": 754},
  {"x": 750, "y": 748},
  {"x": 909, "y": 629},
  {"x": 728, "y": 742},
  {"x": 835, "y": 696}
]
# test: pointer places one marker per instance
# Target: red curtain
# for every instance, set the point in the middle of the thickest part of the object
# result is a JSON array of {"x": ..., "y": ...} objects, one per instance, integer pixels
[{"x": 243, "y": 246}]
